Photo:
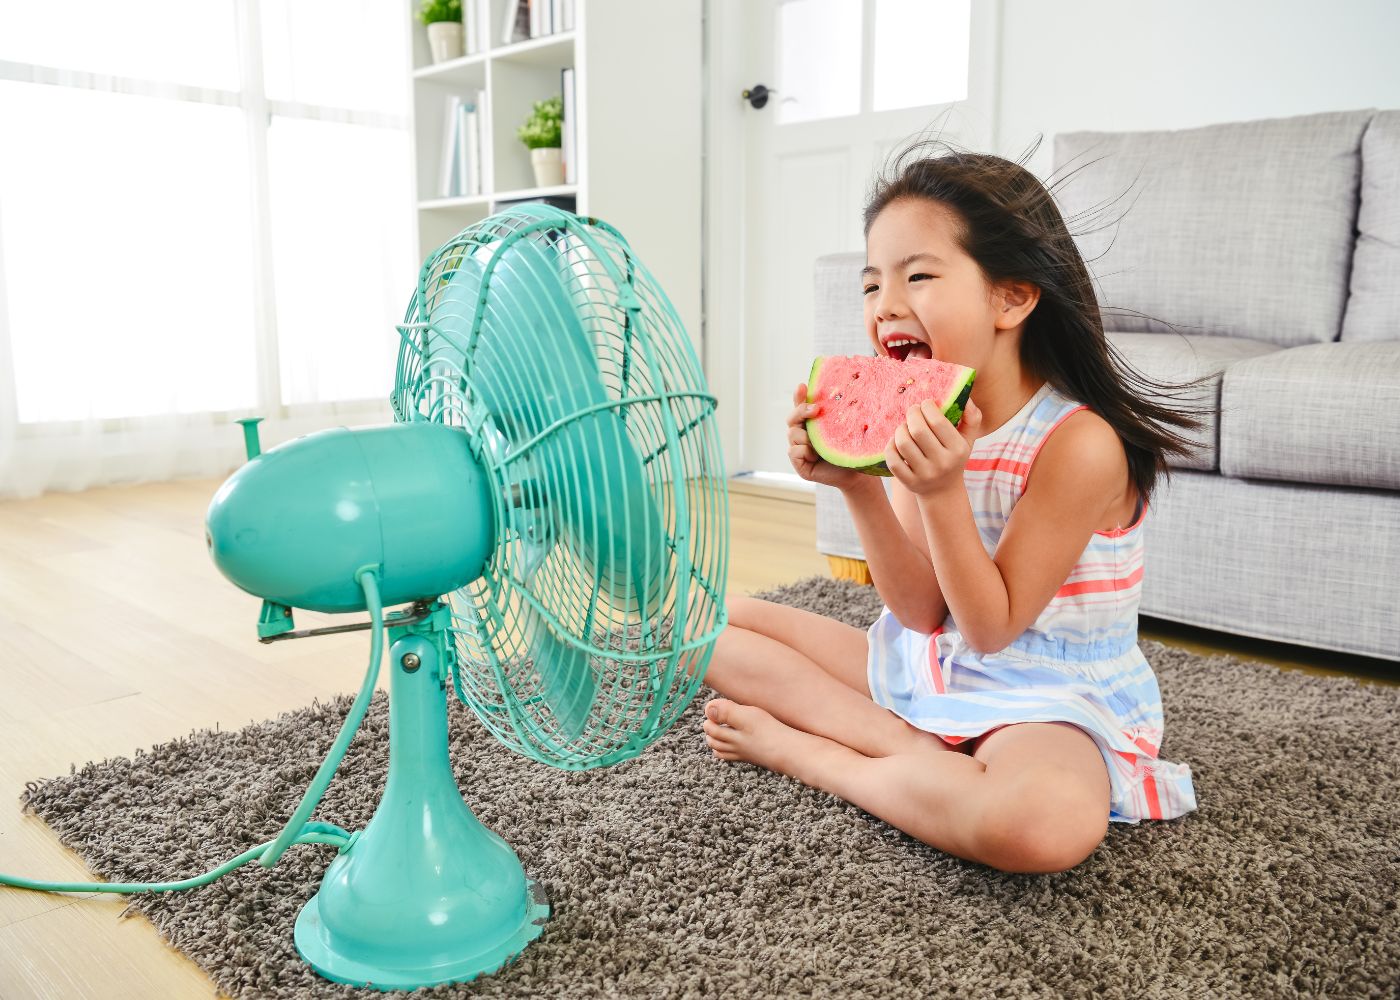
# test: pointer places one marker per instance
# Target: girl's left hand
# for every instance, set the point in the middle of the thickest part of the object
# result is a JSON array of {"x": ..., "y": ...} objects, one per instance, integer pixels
[{"x": 928, "y": 454}]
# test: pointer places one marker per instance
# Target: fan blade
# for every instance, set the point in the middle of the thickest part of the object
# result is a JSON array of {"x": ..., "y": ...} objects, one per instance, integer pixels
[
  {"x": 566, "y": 680},
  {"x": 619, "y": 529},
  {"x": 596, "y": 487}
]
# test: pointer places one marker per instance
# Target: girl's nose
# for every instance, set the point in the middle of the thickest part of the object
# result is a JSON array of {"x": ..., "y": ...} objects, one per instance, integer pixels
[{"x": 889, "y": 306}]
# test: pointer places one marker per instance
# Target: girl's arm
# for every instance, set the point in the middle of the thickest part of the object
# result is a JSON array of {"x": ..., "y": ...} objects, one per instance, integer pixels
[
  {"x": 1080, "y": 472},
  {"x": 901, "y": 573}
]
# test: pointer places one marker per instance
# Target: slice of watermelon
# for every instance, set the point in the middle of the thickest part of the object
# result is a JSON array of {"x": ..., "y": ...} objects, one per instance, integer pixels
[{"x": 864, "y": 399}]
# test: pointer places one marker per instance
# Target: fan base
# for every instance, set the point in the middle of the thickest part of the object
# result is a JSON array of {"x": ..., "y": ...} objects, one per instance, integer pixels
[
  {"x": 425, "y": 894},
  {"x": 408, "y": 972}
]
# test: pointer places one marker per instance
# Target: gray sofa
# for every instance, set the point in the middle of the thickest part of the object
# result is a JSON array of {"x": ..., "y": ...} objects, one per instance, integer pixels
[{"x": 1273, "y": 250}]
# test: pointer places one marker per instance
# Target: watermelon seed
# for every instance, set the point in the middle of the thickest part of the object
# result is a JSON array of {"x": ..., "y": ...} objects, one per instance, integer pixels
[
  {"x": 902, "y": 388},
  {"x": 856, "y": 375},
  {"x": 838, "y": 396}
]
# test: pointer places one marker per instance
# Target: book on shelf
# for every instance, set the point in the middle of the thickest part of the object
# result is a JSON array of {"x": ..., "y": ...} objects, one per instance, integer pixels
[
  {"x": 569, "y": 139},
  {"x": 526, "y": 19},
  {"x": 516, "y": 26},
  {"x": 447, "y": 180},
  {"x": 476, "y": 19},
  {"x": 462, "y": 175},
  {"x": 466, "y": 176}
]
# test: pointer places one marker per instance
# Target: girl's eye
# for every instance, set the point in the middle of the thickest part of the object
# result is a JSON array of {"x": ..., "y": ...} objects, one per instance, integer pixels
[
  {"x": 868, "y": 289},
  {"x": 915, "y": 277}
]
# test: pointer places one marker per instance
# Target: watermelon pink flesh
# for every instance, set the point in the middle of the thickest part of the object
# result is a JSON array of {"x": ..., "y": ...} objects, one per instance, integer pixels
[{"x": 864, "y": 400}]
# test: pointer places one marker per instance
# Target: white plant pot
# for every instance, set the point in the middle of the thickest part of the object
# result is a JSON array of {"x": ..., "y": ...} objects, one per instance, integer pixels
[
  {"x": 548, "y": 162},
  {"x": 447, "y": 40}
]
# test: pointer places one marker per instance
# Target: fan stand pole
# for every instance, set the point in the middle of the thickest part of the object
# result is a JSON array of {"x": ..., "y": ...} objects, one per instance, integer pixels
[{"x": 426, "y": 894}]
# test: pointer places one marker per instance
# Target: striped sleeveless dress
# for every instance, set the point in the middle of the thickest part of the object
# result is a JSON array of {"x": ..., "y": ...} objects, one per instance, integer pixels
[{"x": 1079, "y": 662}]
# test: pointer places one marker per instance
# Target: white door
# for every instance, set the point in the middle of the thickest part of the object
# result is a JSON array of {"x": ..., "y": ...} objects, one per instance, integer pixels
[{"x": 851, "y": 81}]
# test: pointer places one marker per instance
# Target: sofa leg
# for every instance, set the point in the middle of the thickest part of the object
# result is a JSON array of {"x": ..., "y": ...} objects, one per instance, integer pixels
[{"x": 849, "y": 569}]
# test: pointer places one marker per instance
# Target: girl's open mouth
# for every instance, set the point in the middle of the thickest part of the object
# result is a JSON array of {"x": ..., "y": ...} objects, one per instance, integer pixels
[{"x": 905, "y": 351}]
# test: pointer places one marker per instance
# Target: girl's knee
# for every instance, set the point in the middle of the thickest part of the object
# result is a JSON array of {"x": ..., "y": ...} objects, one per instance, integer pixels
[
  {"x": 1044, "y": 826},
  {"x": 743, "y": 611}
]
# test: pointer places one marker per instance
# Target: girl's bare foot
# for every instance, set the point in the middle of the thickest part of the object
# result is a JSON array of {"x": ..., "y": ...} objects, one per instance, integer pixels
[
  {"x": 736, "y": 734},
  {"x": 747, "y": 733}
]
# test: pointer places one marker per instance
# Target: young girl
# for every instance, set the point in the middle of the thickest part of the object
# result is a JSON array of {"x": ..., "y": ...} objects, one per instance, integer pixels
[{"x": 999, "y": 709}]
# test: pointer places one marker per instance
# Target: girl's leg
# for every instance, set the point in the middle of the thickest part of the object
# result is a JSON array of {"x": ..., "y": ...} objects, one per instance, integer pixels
[
  {"x": 1035, "y": 799},
  {"x": 839, "y": 649},
  {"x": 803, "y": 669}
]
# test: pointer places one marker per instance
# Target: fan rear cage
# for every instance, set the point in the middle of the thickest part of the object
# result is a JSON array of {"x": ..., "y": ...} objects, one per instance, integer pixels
[{"x": 537, "y": 580}]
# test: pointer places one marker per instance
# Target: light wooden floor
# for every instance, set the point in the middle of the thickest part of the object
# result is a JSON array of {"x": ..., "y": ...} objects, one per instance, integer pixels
[{"x": 117, "y": 632}]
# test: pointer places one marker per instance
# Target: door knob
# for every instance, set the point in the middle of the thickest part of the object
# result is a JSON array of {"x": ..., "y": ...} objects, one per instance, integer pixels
[{"x": 757, "y": 95}]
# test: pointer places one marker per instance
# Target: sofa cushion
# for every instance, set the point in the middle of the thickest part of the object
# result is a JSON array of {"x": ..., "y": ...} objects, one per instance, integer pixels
[
  {"x": 1181, "y": 359},
  {"x": 1325, "y": 413},
  {"x": 1373, "y": 311},
  {"x": 1243, "y": 229}
]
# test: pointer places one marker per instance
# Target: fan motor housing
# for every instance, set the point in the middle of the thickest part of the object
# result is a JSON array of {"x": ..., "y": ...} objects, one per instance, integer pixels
[{"x": 295, "y": 524}]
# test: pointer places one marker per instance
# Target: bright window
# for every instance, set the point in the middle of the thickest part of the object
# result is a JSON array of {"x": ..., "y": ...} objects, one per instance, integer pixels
[
  {"x": 313, "y": 52},
  {"x": 175, "y": 41},
  {"x": 174, "y": 240},
  {"x": 818, "y": 59},
  {"x": 918, "y": 56},
  {"x": 129, "y": 288},
  {"x": 921, "y": 52},
  {"x": 331, "y": 244}
]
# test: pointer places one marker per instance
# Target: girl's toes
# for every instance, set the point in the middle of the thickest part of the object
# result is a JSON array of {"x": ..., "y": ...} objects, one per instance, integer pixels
[
  {"x": 718, "y": 710},
  {"x": 716, "y": 735}
]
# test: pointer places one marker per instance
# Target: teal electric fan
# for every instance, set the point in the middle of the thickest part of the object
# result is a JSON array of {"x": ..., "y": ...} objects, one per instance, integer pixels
[{"x": 550, "y": 507}]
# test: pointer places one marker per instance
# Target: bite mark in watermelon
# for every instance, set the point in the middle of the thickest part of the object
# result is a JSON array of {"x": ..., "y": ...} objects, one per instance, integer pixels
[{"x": 864, "y": 399}]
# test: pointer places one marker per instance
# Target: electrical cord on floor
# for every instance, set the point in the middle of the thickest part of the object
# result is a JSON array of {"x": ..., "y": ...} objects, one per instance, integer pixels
[
  {"x": 299, "y": 829},
  {"x": 341, "y": 840}
]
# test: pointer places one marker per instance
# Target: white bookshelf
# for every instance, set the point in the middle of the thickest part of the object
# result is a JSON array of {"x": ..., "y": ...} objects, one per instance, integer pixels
[{"x": 638, "y": 118}]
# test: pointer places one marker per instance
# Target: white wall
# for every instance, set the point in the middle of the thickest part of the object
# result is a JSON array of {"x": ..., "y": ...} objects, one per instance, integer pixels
[{"x": 1115, "y": 65}]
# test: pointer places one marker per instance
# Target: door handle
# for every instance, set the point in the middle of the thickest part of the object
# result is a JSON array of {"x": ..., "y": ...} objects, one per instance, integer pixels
[{"x": 757, "y": 95}]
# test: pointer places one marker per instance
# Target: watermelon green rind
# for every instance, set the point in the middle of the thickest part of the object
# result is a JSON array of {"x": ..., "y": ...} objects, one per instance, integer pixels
[
  {"x": 814, "y": 432},
  {"x": 823, "y": 447},
  {"x": 953, "y": 411}
]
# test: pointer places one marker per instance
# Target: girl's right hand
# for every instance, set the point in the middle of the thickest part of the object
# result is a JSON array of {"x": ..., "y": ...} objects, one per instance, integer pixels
[{"x": 805, "y": 460}]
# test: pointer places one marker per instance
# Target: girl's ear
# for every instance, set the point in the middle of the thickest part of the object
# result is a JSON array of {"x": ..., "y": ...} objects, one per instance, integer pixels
[{"x": 1013, "y": 302}]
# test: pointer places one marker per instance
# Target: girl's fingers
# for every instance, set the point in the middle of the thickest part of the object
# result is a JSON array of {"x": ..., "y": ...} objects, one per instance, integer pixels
[
  {"x": 905, "y": 446},
  {"x": 941, "y": 427},
  {"x": 971, "y": 424},
  {"x": 803, "y": 409},
  {"x": 895, "y": 462},
  {"x": 915, "y": 432}
]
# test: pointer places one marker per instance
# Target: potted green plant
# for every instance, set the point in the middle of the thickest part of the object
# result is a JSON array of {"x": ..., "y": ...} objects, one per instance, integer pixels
[
  {"x": 445, "y": 31},
  {"x": 542, "y": 133}
]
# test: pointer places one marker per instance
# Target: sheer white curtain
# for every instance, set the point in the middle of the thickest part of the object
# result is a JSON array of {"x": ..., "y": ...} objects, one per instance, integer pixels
[{"x": 205, "y": 214}]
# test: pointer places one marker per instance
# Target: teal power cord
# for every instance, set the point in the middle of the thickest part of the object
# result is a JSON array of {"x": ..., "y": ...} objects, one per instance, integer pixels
[
  {"x": 340, "y": 840},
  {"x": 370, "y": 585},
  {"x": 299, "y": 830}
]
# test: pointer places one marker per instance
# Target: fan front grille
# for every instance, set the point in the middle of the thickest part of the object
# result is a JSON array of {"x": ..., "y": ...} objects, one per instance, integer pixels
[{"x": 551, "y": 346}]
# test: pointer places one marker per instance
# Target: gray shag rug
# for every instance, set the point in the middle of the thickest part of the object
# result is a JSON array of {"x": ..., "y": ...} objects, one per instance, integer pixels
[{"x": 678, "y": 875}]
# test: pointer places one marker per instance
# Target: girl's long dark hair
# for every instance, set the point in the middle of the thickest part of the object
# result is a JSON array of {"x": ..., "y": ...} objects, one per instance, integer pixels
[{"x": 1012, "y": 227}]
